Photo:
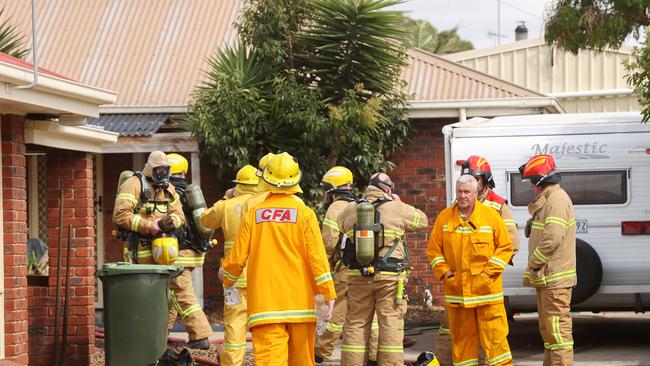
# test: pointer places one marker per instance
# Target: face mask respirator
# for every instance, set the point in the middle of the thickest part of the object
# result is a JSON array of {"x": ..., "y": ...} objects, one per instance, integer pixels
[{"x": 160, "y": 176}]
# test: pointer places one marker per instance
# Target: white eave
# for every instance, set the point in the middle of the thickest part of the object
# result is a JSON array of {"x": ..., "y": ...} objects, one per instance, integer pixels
[
  {"x": 79, "y": 138},
  {"x": 463, "y": 109},
  {"x": 52, "y": 93}
]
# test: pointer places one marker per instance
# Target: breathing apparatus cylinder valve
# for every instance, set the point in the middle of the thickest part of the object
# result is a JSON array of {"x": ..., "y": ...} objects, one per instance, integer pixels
[{"x": 364, "y": 234}]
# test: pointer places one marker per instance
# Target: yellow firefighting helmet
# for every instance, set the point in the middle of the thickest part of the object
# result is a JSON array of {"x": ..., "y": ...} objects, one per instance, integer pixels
[
  {"x": 164, "y": 249},
  {"x": 247, "y": 175},
  {"x": 177, "y": 164},
  {"x": 338, "y": 177},
  {"x": 283, "y": 173},
  {"x": 264, "y": 161}
]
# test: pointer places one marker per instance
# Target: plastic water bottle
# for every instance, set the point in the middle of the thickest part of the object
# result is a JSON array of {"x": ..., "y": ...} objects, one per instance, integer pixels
[
  {"x": 321, "y": 314},
  {"x": 231, "y": 295}
]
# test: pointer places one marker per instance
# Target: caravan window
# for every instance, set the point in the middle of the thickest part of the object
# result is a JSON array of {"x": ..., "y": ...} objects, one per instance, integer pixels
[{"x": 584, "y": 188}]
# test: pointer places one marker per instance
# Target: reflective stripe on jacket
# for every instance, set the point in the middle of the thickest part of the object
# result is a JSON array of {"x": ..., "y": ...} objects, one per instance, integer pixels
[
  {"x": 552, "y": 242},
  {"x": 397, "y": 217},
  {"x": 476, "y": 250},
  {"x": 282, "y": 244},
  {"x": 225, "y": 214},
  {"x": 330, "y": 227}
]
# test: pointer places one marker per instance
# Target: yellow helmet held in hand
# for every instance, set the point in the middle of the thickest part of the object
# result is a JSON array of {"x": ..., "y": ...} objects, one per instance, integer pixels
[
  {"x": 164, "y": 249},
  {"x": 177, "y": 164},
  {"x": 264, "y": 161},
  {"x": 247, "y": 175},
  {"x": 338, "y": 177},
  {"x": 283, "y": 173}
]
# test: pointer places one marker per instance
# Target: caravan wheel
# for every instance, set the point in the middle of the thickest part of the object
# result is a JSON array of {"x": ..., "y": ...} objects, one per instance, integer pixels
[{"x": 589, "y": 269}]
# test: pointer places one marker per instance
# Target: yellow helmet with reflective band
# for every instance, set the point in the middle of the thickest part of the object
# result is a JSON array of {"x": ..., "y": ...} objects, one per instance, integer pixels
[
  {"x": 264, "y": 161},
  {"x": 283, "y": 173},
  {"x": 164, "y": 249},
  {"x": 336, "y": 177},
  {"x": 247, "y": 175},
  {"x": 177, "y": 164}
]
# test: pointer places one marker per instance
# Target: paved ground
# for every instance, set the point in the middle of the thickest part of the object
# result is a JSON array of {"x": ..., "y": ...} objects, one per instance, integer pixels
[{"x": 614, "y": 339}]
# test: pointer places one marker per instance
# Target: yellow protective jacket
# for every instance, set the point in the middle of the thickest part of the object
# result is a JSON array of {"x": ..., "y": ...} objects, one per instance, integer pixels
[
  {"x": 491, "y": 199},
  {"x": 476, "y": 250},
  {"x": 552, "y": 242},
  {"x": 160, "y": 204},
  {"x": 398, "y": 218},
  {"x": 226, "y": 215},
  {"x": 281, "y": 242}
]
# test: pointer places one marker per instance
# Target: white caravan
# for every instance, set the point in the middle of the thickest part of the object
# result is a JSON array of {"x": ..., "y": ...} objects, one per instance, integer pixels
[{"x": 604, "y": 161}]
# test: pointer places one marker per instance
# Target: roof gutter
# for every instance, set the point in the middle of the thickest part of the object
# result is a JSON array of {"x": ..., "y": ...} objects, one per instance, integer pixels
[
  {"x": 181, "y": 109},
  {"x": 483, "y": 107},
  {"x": 592, "y": 93}
]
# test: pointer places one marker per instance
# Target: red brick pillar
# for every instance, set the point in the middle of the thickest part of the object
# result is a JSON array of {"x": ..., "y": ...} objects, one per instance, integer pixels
[
  {"x": 15, "y": 238},
  {"x": 73, "y": 172}
]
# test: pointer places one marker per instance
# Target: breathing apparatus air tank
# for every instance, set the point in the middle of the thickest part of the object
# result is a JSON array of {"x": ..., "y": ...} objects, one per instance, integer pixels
[
  {"x": 364, "y": 234},
  {"x": 195, "y": 198},
  {"x": 124, "y": 175}
]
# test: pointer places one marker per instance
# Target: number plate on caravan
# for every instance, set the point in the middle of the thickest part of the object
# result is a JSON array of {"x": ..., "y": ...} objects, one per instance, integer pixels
[{"x": 582, "y": 226}]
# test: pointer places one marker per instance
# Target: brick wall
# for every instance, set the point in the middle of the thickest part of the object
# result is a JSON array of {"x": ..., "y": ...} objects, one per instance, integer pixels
[
  {"x": 15, "y": 238},
  {"x": 420, "y": 181}
]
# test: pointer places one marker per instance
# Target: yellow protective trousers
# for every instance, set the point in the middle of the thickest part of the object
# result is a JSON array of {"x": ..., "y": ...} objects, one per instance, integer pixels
[
  {"x": 325, "y": 343},
  {"x": 443, "y": 344},
  {"x": 234, "y": 340},
  {"x": 185, "y": 304},
  {"x": 555, "y": 325},
  {"x": 284, "y": 344},
  {"x": 488, "y": 323},
  {"x": 367, "y": 295}
]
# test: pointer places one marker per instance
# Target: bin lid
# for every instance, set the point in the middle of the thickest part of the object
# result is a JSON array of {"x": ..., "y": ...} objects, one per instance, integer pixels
[{"x": 124, "y": 268}]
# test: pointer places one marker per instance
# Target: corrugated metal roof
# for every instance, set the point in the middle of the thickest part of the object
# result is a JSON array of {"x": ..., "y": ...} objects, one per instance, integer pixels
[
  {"x": 430, "y": 77},
  {"x": 130, "y": 124},
  {"x": 535, "y": 65},
  {"x": 154, "y": 52},
  {"x": 151, "y": 52}
]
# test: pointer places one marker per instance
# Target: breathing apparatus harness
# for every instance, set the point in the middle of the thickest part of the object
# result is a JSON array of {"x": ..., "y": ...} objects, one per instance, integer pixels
[
  {"x": 362, "y": 253},
  {"x": 188, "y": 235}
]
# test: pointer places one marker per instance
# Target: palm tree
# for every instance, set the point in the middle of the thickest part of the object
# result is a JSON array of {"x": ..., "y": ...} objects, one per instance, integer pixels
[
  {"x": 425, "y": 36},
  {"x": 11, "y": 42}
]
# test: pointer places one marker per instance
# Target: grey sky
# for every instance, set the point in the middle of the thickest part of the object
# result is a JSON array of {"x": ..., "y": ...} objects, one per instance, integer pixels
[{"x": 476, "y": 18}]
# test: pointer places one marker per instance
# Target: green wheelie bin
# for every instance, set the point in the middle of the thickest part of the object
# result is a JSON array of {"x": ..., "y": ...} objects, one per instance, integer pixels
[{"x": 135, "y": 312}]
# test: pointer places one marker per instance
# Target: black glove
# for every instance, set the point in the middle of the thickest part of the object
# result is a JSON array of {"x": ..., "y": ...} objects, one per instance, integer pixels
[
  {"x": 166, "y": 224},
  {"x": 528, "y": 228}
]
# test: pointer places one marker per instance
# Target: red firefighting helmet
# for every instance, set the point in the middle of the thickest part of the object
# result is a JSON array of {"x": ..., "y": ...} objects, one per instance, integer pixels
[
  {"x": 478, "y": 166},
  {"x": 540, "y": 169}
]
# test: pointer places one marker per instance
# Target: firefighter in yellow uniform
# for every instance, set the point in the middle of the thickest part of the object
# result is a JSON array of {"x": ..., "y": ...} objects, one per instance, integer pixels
[
  {"x": 147, "y": 206},
  {"x": 479, "y": 168},
  {"x": 337, "y": 187},
  {"x": 281, "y": 242},
  {"x": 192, "y": 249},
  {"x": 226, "y": 214},
  {"x": 379, "y": 287},
  {"x": 551, "y": 257},
  {"x": 469, "y": 248}
]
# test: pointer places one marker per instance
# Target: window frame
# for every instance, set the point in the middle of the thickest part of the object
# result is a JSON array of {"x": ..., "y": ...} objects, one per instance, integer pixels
[{"x": 626, "y": 170}]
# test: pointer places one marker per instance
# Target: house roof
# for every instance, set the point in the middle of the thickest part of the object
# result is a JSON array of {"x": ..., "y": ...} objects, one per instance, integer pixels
[
  {"x": 431, "y": 77},
  {"x": 140, "y": 124},
  {"x": 152, "y": 55}
]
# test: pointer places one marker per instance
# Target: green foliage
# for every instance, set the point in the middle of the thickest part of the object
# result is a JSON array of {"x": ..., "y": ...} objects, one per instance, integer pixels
[
  {"x": 322, "y": 84},
  {"x": 425, "y": 36},
  {"x": 11, "y": 42},
  {"x": 600, "y": 24}
]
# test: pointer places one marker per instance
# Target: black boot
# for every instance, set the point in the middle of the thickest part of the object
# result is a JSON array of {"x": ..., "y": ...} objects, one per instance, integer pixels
[
  {"x": 372, "y": 363},
  {"x": 198, "y": 344}
]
